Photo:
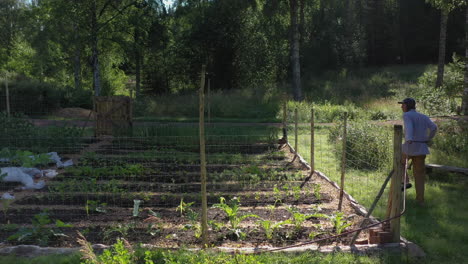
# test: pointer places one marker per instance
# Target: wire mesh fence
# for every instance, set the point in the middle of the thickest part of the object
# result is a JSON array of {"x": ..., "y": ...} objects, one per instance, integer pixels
[
  {"x": 363, "y": 157},
  {"x": 144, "y": 183}
]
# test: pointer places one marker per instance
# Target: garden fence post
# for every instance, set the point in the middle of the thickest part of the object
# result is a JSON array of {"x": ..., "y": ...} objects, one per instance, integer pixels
[
  {"x": 209, "y": 100},
  {"x": 312, "y": 142},
  {"x": 295, "y": 133},
  {"x": 395, "y": 197},
  {"x": 285, "y": 129},
  {"x": 343, "y": 161},
  {"x": 204, "y": 218}
]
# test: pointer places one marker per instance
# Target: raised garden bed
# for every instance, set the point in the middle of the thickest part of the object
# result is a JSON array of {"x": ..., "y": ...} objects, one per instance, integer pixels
[{"x": 97, "y": 197}]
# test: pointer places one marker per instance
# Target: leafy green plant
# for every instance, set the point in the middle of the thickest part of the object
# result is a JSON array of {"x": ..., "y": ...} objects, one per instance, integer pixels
[
  {"x": 340, "y": 223},
  {"x": 232, "y": 212},
  {"x": 183, "y": 207},
  {"x": 299, "y": 218},
  {"x": 39, "y": 233},
  {"x": 277, "y": 195},
  {"x": 270, "y": 227},
  {"x": 95, "y": 206},
  {"x": 5, "y": 206},
  {"x": 367, "y": 145},
  {"x": 317, "y": 193},
  {"x": 118, "y": 229}
]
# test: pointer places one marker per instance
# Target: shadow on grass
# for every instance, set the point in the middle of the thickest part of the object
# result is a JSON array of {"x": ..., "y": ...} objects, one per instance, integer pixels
[{"x": 440, "y": 226}]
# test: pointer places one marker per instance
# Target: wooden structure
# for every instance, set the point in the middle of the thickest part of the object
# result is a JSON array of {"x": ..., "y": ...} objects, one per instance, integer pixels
[
  {"x": 113, "y": 114},
  {"x": 453, "y": 169}
]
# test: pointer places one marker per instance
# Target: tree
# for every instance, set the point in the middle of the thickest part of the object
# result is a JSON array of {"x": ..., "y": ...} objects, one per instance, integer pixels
[
  {"x": 445, "y": 7},
  {"x": 464, "y": 106},
  {"x": 294, "y": 45}
]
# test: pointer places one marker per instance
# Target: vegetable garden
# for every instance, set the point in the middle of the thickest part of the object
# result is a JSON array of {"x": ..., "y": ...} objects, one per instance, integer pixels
[{"x": 146, "y": 189}]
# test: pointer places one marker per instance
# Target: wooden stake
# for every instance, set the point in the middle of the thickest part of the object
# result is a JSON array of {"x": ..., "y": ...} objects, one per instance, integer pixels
[
  {"x": 395, "y": 197},
  {"x": 204, "y": 219},
  {"x": 295, "y": 132},
  {"x": 343, "y": 161},
  {"x": 312, "y": 142},
  {"x": 285, "y": 129},
  {"x": 209, "y": 101}
]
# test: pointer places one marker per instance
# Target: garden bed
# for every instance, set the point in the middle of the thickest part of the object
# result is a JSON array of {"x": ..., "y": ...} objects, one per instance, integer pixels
[{"x": 260, "y": 185}]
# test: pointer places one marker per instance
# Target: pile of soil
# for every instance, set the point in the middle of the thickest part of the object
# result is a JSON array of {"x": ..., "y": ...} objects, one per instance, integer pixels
[{"x": 74, "y": 113}]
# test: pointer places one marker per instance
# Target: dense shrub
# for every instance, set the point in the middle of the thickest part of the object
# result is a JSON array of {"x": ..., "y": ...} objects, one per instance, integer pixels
[
  {"x": 367, "y": 145},
  {"x": 441, "y": 100},
  {"x": 452, "y": 141}
]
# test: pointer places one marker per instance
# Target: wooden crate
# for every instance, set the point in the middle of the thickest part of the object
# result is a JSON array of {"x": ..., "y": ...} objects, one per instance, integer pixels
[{"x": 113, "y": 114}]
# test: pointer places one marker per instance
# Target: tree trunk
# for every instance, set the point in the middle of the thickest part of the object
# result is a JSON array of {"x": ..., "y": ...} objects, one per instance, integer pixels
[
  {"x": 77, "y": 68},
  {"x": 464, "y": 107},
  {"x": 96, "y": 75},
  {"x": 77, "y": 59},
  {"x": 442, "y": 40},
  {"x": 295, "y": 60},
  {"x": 137, "y": 62}
]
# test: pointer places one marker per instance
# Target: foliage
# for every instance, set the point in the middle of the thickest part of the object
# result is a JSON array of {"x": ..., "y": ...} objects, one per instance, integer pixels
[
  {"x": 39, "y": 234},
  {"x": 441, "y": 100},
  {"x": 450, "y": 145},
  {"x": 298, "y": 218},
  {"x": 270, "y": 227},
  {"x": 339, "y": 222},
  {"x": 232, "y": 213},
  {"x": 25, "y": 158},
  {"x": 184, "y": 207},
  {"x": 367, "y": 145}
]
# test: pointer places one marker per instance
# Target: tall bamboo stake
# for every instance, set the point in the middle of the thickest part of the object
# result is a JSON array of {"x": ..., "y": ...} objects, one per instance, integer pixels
[
  {"x": 204, "y": 219},
  {"x": 343, "y": 161},
  {"x": 209, "y": 100}
]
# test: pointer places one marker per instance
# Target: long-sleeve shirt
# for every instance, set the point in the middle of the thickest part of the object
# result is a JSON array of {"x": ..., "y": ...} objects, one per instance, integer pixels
[{"x": 419, "y": 129}]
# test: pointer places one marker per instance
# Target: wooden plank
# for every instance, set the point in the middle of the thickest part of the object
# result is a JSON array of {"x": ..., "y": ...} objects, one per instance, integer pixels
[{"x": 447, "y": 168}]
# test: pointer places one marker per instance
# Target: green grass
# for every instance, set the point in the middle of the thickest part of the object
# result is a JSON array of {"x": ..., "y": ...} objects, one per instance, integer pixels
[
  {"x": 186, "y": 257},
  {"x": 439, "y": 227}
]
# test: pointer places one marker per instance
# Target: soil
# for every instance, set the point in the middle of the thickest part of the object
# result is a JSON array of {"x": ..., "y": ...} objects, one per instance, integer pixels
[
  {"x": 103, "y": 215},
  {"x": 74, "y": 113}
]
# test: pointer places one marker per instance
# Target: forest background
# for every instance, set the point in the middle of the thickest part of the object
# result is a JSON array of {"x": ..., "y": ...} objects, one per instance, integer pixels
[{"x": 58, "y": 53}]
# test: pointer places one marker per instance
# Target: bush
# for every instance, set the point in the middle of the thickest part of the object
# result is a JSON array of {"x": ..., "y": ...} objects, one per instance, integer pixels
[
  {"x": 441, "y": 100},
  {"x": 367, "y": 145},
  {"x": 452, "y": 142},
  {"x": 324, "y": 113}
]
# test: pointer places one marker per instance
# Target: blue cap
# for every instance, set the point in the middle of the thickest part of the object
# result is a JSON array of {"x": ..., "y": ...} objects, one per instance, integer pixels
[{"x": 409, "y": 102}]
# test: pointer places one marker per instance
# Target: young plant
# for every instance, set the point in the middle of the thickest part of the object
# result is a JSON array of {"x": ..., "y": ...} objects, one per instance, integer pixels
[
  {"x": 232, "y": 212},
  {"x": 94, "y": 206},
  {"x": 183, "y": 207},
  {"x": 277, "y": 195},
  {"x": 299, "y": 218},
  {"x": 296, "y": 192},
  {"x": 340, "y": 223},
  {"x": 317, "y": 193},
  {"x": 270, "y": 228},
  {"x": 39, "y": 233}
]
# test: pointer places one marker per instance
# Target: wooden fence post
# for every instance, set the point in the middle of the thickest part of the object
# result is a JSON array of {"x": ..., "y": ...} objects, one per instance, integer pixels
[
  {"x": 204, "y": 218},
  {"x": 295, "y": 132},
  {"x": 395, "y": 196},
  {"x": 285, "y": 129},
  {"x": 312, "y": 142},
  {"x": 343, "y": 161},
  {"x": 209, "y": 100}
]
